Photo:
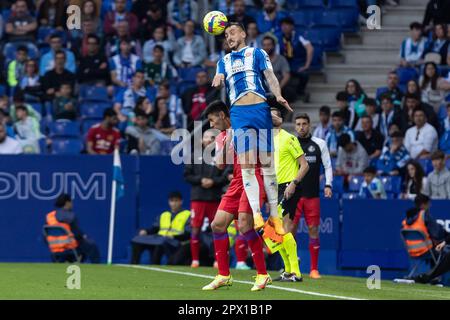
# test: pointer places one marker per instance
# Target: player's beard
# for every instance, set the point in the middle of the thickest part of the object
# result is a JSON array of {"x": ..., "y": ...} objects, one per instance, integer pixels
[{"x": 235, "y": 46}]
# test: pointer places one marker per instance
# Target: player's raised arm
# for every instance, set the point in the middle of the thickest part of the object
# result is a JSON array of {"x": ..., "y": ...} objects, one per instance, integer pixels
[{"x": 219, "y": 78}]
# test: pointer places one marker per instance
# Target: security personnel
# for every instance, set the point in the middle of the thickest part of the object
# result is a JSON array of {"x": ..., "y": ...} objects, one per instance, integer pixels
[
  {"x": 166, "y": 235},
  {"x": 64, "y": 217}
]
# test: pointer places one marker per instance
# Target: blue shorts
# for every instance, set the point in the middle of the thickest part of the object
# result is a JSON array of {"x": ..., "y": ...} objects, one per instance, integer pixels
[{"x": 252, "y": 127}]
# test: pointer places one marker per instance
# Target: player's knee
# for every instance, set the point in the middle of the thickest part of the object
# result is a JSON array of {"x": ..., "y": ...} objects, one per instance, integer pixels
[
  {"x": 245, "y": 223},
  {"x": 195, "y": 231},
  {"x": 313, "y": 232},
  {"x": 217, "y": 226}
]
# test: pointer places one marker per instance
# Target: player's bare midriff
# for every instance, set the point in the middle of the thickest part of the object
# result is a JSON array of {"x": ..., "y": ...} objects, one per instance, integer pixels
[{"x": 248, "y": 99}]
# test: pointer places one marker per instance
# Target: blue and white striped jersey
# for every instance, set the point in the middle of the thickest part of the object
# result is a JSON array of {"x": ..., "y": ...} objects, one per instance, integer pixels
[{"x": 243, "y": 71}]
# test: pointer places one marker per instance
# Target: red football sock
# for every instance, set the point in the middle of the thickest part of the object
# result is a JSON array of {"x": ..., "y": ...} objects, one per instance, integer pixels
[
  {"x": 256, "y": 247},
  {"x": 314, "y": 246},
  {"x": 195, "y": 247},
  {"x": 222, "y": 249},
  {"x": 240, "y": 247}
]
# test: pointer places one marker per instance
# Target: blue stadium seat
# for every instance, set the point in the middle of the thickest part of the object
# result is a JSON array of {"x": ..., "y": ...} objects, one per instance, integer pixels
[
  {"x": 350, "y": 195},
  {"x": 37, "y": 106},
  {"x": 442, "y": 113},
  {"x": 189, "y": 74},
  {"x": 43, "y": 145},
  {"x": 43, "y": 33},
  {"x": 406, "y": 74},
  {"x": 327, "y": 18},
  {"x": 329, "y": 38},
  {"x": 392, "y": 185},
  {"x": 65, "y": 128},
  {"x": 355, "y": 183},
  {"x": 184, "y": 85},
  {"x": 93, "y": 109},
  {"x": 317, "y": 60},
  {"x": 93, "y": 93},
  {"x": 426, "y": 165},
  {"x": 66, "y": 146},
  {"x": 309, "y": 4},
  {"x": 87, "y": 124},
  {"x": 447, "y": 163},
  {"x": 348, "y": 18},
  {"x": 343, "y": 4},
  {"x": 304, "y": 18}
]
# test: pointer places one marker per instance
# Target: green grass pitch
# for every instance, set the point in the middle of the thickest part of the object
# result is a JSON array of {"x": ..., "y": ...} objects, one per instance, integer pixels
[{"x": 48, "y": 281}]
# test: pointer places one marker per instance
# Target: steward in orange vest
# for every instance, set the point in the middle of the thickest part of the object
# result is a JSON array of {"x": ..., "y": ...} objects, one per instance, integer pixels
[{"x": 419, "y": 218}]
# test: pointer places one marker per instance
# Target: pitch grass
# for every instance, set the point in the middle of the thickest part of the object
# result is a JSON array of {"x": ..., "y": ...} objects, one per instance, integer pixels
[{"x": 48, "y": 281}]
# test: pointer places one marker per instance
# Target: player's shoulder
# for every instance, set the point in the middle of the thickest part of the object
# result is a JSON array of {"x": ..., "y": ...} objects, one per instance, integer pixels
[
  {"x": 320, "y": 142},
  {"x": 288, "y": 136}
]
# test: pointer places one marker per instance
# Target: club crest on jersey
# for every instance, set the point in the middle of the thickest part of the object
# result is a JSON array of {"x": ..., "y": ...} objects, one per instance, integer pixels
[
  {"x": 311, "y": 149},
  {"x": 248, "y": 54}
]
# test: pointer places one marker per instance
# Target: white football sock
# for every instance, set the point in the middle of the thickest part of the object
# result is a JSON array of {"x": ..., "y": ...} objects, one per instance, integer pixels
[
  {"x": 251, "y": 188},
  {"x": 271, "y": 188}
]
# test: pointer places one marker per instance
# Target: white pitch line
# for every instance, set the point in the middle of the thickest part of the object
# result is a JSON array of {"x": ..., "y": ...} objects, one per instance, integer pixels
[{"x": 311, "y": 293}]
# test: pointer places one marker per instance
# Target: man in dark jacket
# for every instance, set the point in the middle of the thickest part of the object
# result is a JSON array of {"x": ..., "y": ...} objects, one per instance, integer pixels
[{"x": 207, "y": 182}]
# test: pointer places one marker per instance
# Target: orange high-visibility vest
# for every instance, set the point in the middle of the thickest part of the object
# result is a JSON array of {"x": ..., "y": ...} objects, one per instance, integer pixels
[
  {"x": 416, "y": 248},
  {"x": 60, "y": 243}
]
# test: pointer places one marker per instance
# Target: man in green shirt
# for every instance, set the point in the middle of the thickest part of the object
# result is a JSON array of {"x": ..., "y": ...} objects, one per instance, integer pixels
[
  {"x": 158, "y": 70},
  {"x": 290, "y": 166}
]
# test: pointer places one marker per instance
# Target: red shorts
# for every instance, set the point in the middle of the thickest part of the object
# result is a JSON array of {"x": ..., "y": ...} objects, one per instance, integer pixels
[
  {"x": 235, "y": 200},
  {"x": 311, "y": 208},
  {"x": 202, "y": 209}
]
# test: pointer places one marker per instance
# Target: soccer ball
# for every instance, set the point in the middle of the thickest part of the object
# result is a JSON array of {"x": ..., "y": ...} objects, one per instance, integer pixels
[{"x": 215, "y": 22}]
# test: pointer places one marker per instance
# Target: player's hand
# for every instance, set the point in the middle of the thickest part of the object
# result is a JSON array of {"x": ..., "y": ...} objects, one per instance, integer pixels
[
  {"x": 289, "y": 190},
  {"x": 284, "y": 103},
  {"x": 142, "y": 232},
  {"x": 327, "y": 192},
  {"x": 440, "y": 246},
  {"x": 218, "y": 80}
]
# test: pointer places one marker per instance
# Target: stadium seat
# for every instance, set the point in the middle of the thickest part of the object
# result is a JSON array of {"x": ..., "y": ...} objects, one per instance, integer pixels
[
  {"x": 87, "y": 124},
  {"x": 338, "y": 184},
  {"x": 426, "y": 165},
  {"x": 184, "y": 85},
  {"x": 37, "y": 106},
  {"x": 348, "y": 18},
  {"x": 302, "y": 4},
  {"x": 66, "y": 146},
  {"x": 329, "y": 38},
  {"x": 93, "y": 93},
  {"x": 350, "y": 195},
  {"x": 326, "y": 18},
  {"x": 93, "y": 109},
  {"x": 447, "y": 163},
  {"x": 343, "y": 4},
  {"x": 355, "y": 183},
  {"x": 392, "y": 185},
  {"x": 43, "y": 145},
  {"x": 64, "y": 128},
  {"x": 189, "y": 74},
  {"x": 406, "y": 74},
  {"x": 303, "y": 18}
]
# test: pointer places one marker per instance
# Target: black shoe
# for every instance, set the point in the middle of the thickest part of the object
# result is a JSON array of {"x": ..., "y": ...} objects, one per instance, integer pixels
[
  {"x": 294, "y": 278},
  {"x": 283, "y": 277},
  {"x": 422, "y": 278}
]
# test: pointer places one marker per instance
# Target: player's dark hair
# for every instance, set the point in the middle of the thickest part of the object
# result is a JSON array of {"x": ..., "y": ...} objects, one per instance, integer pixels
[
  {"x": 21, "y": 107},
  {"x": 438, "y": 155},
  {"x": 158, "y": 47},
  {"x": 415, "y": 25},
  {"x": 325, "y": 109},
  {"x": 141, "y": 113},
  {"x": 342, "y": 96},
  {"x": 370, "y": 170},
  {"x": 421, "y": 199},
  {"x": 344, "y": 140},
  {"x": 175, "y": 195},
  {"x": 386, "y": 96},
  {"x": 109, "y": 112},
  {"x": 337, "y": 114},
  {"x": 237, "y": 24},
  {"x": 215, "y": 107},
  {"x": 287, "y": 20},
  {"x": 303, "y": 116},
  {"x": 62, "y": 199}
]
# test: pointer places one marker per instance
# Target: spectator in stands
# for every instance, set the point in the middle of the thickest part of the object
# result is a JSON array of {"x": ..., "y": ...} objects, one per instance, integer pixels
[
  {"x": 5, "y": 119},
  {"x": 158, "y": 70},
  {"x": 196, "y": 99},
  {"x": 438, "y": 184},
  {"x": 444, "y": 142},
  {"x": 174, "y": 107},
  {"x": 190, "y": 50},
  {"x": 64, "y": 213},
  {"x": 151, "y": 14},
  {"x": 47, "y": 61},
  {"x": 356, "y": 96},
  {"x": 254, "y": 37},
  {"x": 422, "y": 139},
  {"x": 394, "y": 157},
  {"x": 27, "y": 130},
  {"x": 388, "y": 114},
  {"x": 415, "y": 181},
  {"x": 433, "y": 86},
  {"x": 53, "y": 78},
  {"x": 297, "y": 50},
  {"x": 30, "y": 83},
  {"x": 280, "y": 68},
  {"x": 182, "y": 11},
  {"x": 370, "y": 139},
  {"x": 124, "y": 65},
  {"x": 141, "y": 137},
  {"x": 411, "y": 103},
  {"x": 125, "y": 101},
  {"x": 113, "y": 17},
  {"x": 144, "y": 104},
  {"x": 437, "y": 12},
  {"x": 440, "y": 44},
  {"x": 413, "y": 47},
  {"x": 206, "y": 182},
  {"x": 225, "y": 6},
  {"x": 93, "y": 67},
  {"x": 103, "y": 137},
  {"x": 371, "y": 188},
  {"x": 16, "y": 68},
  {"x": 269, "y": 20},
  {"x": 19, "y": 100},
  {"x": 166, "y": 235},
  {"x": 158, "y": 38},
  {"x": 336, "y": 130},
  {"x": 350, "y": 117},
  {"x": 113, "y": 45},
  {"x": 8, "y": 145},
  {"x": 352, "y": 159},
  {"x": 324, "y": 125},
  {"x": 52, "y": 14},
  {"x": 239, "y": 14},
  {"x": 371, "y": 111},
  {"x": 65, "y": 105},
  {"x": 90, "y": 11},
  {"x": 21, "y": 25},
  {"x": 161, "y": 115},
  {"x": 392, "y": 89}
]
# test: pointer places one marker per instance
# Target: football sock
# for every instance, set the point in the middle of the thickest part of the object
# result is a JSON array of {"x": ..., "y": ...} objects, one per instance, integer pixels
[
  {"x": 251, "y": 188},
  {"x": 314, "y": 246},
  {"x": 271, "y": 188},
  {"x": 240, "y": 247},
  {"x": 222, "y": 250},
  {"x": 290, "y": 246},
  {"x": 286, "y": 262},
  {"x": 256, "y": 247},
  {"x": 195, "y": 247}
]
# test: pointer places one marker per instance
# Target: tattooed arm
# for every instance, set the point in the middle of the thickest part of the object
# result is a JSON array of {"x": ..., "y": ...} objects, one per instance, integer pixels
[{"x": 274, "y": 86}]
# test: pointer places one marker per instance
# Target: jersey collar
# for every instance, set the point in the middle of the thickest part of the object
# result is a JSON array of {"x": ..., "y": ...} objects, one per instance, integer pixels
[{"x": 240, "y": 49}]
